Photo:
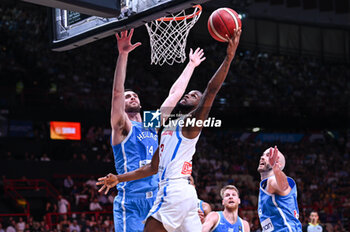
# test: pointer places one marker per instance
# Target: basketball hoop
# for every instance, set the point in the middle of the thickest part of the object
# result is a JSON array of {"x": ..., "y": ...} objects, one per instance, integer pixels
[{"x": 168, "y": 36}]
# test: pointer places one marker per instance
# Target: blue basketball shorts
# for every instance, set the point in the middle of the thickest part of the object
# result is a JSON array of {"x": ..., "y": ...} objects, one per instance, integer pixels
[{"x": 129, "y": 214}]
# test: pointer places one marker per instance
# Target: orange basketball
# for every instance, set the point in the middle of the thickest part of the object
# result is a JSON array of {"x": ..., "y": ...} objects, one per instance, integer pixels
[{"x": 223, "y": 21}]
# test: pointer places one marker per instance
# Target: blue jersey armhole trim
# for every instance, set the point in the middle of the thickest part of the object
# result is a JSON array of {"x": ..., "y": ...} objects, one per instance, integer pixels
[
  {"x": 261, "y": 188},
  {"x": 291, "y": 182},
  {"x": 201, "y": 206},
  {"x": 218, "y": 222},
  {"x": 126, "y": 138}
]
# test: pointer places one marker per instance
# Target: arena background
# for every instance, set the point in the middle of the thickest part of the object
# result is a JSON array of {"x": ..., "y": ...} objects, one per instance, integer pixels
[{"x": 288, "y": 86}]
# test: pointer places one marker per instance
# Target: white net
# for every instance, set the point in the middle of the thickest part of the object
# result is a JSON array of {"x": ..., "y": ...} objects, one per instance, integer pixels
[{"x": 168, "y": 36}]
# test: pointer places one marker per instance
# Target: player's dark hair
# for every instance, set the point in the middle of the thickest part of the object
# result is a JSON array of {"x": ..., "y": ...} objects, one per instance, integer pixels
[{"x": 131, "y": 90}]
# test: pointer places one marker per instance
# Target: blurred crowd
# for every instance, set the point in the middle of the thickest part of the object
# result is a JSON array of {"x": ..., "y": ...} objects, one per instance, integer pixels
[
  {"x": 319, "y": 168},
  {"x": 32, "y": 74},
  {"x": 82, "y": 222},
  {"x": 81, "y": 79}
]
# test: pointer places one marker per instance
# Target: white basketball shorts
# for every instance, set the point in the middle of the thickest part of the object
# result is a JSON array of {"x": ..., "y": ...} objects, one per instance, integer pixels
[{"x": 176, "y": 206}]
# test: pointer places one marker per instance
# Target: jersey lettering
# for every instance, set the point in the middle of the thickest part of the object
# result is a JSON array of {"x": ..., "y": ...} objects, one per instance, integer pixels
[
  {"x": 296, "y": 215},
  {"x": 267, "y": 225},
  {"x": 150, "y": 150},
  {"x": 167, "y": 132},
  {"x": 144, "y": 162}
]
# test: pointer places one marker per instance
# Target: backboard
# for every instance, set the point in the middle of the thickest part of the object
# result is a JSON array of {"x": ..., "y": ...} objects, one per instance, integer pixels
[
  {"x": 72, "y": 29},
  {"x": 102, "y": 8}
]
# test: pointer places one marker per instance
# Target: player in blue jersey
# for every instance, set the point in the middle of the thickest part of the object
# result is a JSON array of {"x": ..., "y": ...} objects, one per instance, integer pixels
[
  {"x": 278, "y": 207},
  {"x": 227, "y": 220},
  {"x": 133, "y": 145}
]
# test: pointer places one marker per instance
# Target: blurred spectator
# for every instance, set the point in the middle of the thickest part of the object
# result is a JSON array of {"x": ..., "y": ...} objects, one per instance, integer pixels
[
  {"x": 45, "y": 158},
  {"x": 91, "y": 182},
  {"x": 64, "y": 224},
  {"x": 74, "y": 158},
  {"x": 107, "y": 222},
  {"x": 83, "y": 157},
  {"x": 68, "y": 183},
  {"x": 74, "y": 226},
  {"x": 21, "y": 225},
  {"x": 314, "y": 224},
  {"x": 102, "y": 198},
  {"x": 82, "y": 196},
  {"x": 82, "y": 220},
  {"x": 11, "y": 227},
  {"x": 30, "y": 223},
  {"x": 50, "y": 208},
  {"x": 92, "y": 222},
  {"x": 36, "y": 226},
  {"x": 63, "y": 205},
  {"x": 95, "y": 205},
  {"x": 44, "y": 226}
]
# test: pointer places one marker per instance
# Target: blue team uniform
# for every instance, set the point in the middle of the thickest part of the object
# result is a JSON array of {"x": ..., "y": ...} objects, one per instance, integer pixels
[
  {"x": 279, "y": 213},
  {"x": 224, "y": 226},
  {"x": 200, "y": 205},
  {"x": 135, "y": 198}
]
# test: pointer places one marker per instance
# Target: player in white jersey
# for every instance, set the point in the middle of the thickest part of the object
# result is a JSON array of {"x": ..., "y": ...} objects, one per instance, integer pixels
[
  {"x": 134, "y": 145},
  {"x": 176, "y": 205}
]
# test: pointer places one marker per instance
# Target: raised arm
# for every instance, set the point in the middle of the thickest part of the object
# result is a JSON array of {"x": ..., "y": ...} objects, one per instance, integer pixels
[
  {"x": 180, "y": 85},
  {"x": 246, "y": 226},
  {"x": 278, "y": 185},
  {"x": 112, "y": 180},
  {"x": 207, "y": 208},
  {"x": 119, "y": 121},
  {"x": 210, "y": 221},
  {"x": 213, "y": 87}
]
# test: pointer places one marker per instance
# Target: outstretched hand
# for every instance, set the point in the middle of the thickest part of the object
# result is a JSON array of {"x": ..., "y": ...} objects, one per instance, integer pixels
[
  {"x": 196, "y": 57},
  {"x": 108, "y": 182},
  {"x": 124, "y": 42},
  {"x": 233, "y": 43},
  {"x": 274, "y": 158}
]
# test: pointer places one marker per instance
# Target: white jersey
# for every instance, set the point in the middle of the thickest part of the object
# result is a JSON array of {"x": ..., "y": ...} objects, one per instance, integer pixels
[
  {"x": 175, "y": 153},
  {"x": 176, "y": 203}
]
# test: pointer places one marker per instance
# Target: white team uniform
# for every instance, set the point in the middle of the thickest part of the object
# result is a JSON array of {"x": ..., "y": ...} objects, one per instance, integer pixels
[{"x": 176, "y": 203}]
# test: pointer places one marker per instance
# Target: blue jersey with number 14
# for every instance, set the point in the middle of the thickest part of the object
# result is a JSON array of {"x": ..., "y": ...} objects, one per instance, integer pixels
[{"x": 134, "y": 152}]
